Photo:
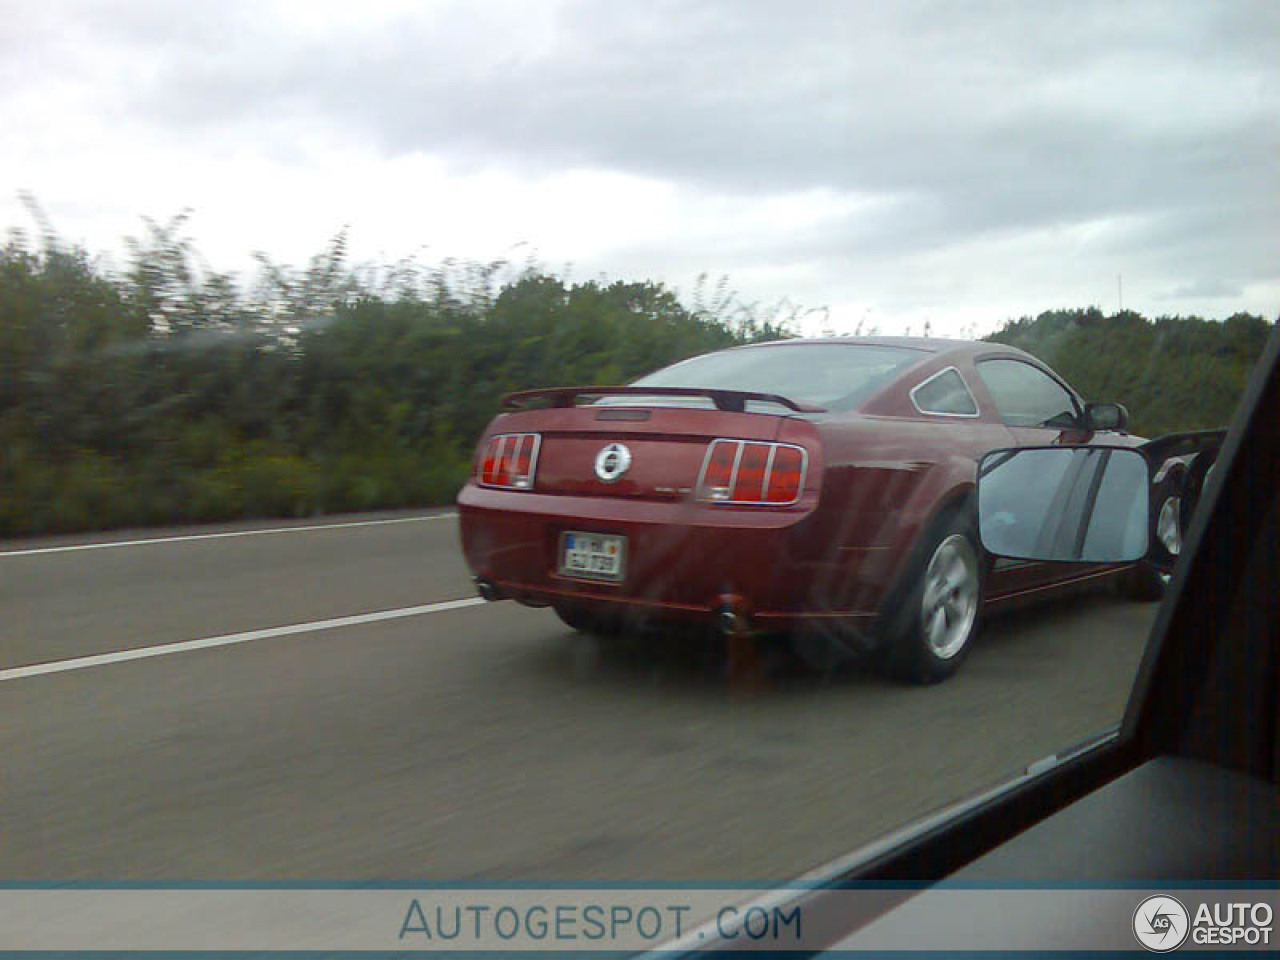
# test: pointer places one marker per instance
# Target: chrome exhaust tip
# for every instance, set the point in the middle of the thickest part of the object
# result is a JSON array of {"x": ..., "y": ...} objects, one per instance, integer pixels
[
  {"x": 732, "y": 623},
  {"x": 488, "y": 590}
]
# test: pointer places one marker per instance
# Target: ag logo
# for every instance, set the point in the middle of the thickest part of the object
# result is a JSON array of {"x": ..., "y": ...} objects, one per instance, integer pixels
[
  {"x": 1161, "y": 923},
  {"x": 612, "y": 462}
]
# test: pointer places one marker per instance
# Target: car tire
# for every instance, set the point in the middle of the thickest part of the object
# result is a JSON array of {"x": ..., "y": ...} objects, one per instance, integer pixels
[
  {"x": 1144, "y": 583},
  {"x": 931, "y": 623}
]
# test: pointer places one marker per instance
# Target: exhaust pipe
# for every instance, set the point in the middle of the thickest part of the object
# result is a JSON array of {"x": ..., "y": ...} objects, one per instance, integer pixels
[
  {"x": 488, "y": 590},
  {"x": 732, "y": 623}
]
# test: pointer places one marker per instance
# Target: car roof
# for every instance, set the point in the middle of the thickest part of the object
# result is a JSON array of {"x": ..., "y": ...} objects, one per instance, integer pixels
[{"x": 936, "y": 345}]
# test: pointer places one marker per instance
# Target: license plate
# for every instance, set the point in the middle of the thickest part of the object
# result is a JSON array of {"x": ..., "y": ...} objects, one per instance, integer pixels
[{"x": 592, "y": 556}]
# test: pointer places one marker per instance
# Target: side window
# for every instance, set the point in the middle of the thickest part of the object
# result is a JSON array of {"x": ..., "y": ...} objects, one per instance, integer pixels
[
  {"x": 1026, "y": 396},
  {"x": 945, "y": 393}
]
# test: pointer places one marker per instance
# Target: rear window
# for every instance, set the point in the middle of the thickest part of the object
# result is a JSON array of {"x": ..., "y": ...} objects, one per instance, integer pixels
[{"x": 837, "y": 376}]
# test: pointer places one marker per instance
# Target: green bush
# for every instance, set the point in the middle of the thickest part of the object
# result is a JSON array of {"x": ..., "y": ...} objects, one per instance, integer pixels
[
  {"x": 276, "y": 484},
  {"x": 214, "y": 494}
]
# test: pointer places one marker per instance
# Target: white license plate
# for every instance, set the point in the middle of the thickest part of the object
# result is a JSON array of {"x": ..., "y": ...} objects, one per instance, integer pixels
[{"x": 593, "y": 556}]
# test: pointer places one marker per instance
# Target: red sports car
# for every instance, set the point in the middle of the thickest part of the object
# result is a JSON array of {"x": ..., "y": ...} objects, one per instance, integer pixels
[{"x": 821, "y": 490}]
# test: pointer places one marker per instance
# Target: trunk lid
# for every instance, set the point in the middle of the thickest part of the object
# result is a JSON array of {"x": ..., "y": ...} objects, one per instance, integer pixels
[{"x": 666, "y": 446}]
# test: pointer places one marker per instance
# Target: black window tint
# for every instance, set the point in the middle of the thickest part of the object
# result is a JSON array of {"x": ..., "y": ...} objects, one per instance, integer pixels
[
  {"x": 1026, "y": 396},
  {"x": 945, "y": 393}
]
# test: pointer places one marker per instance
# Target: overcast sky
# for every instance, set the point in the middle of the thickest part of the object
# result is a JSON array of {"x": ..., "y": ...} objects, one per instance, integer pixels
[{"x": 895, "y": 162}]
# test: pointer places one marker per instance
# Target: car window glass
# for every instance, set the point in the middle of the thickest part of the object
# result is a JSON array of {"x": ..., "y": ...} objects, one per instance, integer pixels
[
  {"x": 945, "y": 393},
  {"x": 837, "y": 376},
  {"x": 1026, "y": 396}
]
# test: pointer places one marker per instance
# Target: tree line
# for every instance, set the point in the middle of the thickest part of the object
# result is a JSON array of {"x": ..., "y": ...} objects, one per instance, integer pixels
[
  {"x": 165, "y": 392},
  {"x": 1172, "y": 373}
]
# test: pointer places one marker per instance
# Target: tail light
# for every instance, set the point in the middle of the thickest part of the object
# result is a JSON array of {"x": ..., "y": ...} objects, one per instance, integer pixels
[
  {"x": 510, "y": 460},
  {"x": 742, "y": 471}
]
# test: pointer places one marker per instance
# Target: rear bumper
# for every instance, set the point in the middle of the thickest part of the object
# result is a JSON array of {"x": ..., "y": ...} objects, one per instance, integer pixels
[{"x": 685, "y": 560}]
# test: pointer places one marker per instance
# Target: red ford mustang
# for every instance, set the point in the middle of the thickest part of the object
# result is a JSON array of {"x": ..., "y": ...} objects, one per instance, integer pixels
[{"x": 816, "y": 489}]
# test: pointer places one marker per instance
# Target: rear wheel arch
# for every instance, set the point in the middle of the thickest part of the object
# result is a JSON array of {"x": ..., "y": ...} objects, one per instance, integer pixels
[{"x": 961, "y": 500}]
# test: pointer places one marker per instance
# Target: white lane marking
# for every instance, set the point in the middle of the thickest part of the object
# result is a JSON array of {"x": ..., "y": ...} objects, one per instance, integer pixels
[
  {"x": 105, "y": 545},
  {"x": 186, "y": 646}
]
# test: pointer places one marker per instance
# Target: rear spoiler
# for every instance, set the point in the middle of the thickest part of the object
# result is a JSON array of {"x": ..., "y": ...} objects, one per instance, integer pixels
[{"x": 731, "y": 400}]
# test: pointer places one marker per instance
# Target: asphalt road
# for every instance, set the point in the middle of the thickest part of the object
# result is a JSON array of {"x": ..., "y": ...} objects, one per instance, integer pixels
[{"x": 473, "y": 742}]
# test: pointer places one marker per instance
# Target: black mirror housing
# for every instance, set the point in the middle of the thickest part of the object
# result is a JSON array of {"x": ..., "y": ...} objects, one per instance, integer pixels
[{"x": 1105, "y": 416}]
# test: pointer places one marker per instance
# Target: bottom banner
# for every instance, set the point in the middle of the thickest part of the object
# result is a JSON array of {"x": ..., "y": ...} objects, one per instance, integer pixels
[{"x": 655, "y": 920}]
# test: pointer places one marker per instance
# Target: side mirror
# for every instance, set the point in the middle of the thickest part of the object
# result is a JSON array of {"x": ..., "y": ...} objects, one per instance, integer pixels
[
  {"x": 1085, "y": 504},
  {"x": 1105, "y": 416}
]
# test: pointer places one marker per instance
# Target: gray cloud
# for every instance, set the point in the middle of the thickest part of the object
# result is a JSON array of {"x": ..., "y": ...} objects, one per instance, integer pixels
[
  {"x": 1204, "y": 289},
  {"x": 1006, "y": 113},
  {"x": 974, "y": 119}
]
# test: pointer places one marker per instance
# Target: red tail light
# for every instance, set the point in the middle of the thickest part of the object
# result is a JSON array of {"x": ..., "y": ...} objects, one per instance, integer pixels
[
  {"x": 741, "y": 471},
  {"x": 748, "y": 485},
  {"x": 787, "y": 478},
  {"x": 523, "y": 461},
  {"x": 717, "y": 475},
  {"x": 510, "y": 460}
]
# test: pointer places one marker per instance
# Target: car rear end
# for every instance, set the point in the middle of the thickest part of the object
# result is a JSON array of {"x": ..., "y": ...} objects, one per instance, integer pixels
[{"x": 633, "y": 507}]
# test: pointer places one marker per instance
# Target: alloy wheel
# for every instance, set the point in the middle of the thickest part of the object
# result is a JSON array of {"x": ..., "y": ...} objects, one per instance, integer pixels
[
  {"x": 1169, "y": 525},
  {"x": 949, "y": 604}
]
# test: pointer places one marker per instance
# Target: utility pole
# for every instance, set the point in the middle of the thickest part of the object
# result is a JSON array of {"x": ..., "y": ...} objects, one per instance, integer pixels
[{"x": 1120, "y": 292}]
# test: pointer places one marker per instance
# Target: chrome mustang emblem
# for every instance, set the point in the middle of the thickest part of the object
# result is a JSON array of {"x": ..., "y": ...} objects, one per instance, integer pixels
[{"x": 612, "y": 462}]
